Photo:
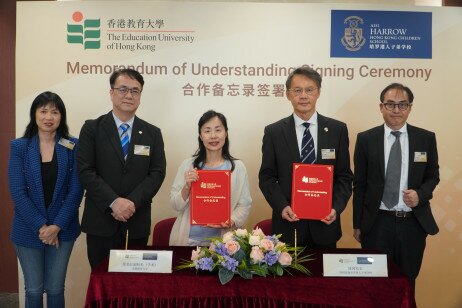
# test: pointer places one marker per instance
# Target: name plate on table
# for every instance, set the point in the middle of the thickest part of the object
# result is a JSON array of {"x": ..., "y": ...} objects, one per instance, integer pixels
[
  {"x": 210, "y": 198},
  {"x": 355, "y": 265},
  {"x": 140, "y": 261},
  {"x": 312, "y": 190}
]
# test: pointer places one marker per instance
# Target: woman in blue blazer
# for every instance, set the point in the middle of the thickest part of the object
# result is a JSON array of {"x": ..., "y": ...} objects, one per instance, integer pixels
[{"x": 46, "y": 193}]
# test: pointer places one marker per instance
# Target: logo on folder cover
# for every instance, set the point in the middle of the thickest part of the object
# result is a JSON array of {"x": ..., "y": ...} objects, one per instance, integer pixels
[{"x": 82, "y": 31}]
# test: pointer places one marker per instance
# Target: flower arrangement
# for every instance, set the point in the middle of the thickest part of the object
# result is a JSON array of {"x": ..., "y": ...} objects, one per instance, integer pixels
[{"x": 247, "y": 253}]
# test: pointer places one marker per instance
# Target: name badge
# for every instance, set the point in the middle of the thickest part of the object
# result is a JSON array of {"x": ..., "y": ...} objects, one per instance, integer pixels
[
  {"x": 420, "y": 157},
  {"x": 66, "y": 143},
  {"x": 328, "y": 153},
  {"x": 355, "y": 265},
  {"x": 142, "y": 150},
  {"x": 140, "y": 261}
]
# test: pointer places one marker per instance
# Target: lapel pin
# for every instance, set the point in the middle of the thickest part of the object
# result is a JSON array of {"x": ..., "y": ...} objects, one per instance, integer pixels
[
  {"x": 140, "y": 132},
  {"x": 326, "y": 129}
]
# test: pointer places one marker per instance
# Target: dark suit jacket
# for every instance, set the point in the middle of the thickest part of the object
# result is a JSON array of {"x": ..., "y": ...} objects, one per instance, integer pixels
[
  {"x": 369, "y": 180},
  {"x": 280, "y": 151},
  {"x": 106, "y": 175},
  {"x": 25, "y": 179}
]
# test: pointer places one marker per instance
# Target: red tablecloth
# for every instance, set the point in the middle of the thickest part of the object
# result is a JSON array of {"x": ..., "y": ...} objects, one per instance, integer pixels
[{"x": 185, "y": 288}]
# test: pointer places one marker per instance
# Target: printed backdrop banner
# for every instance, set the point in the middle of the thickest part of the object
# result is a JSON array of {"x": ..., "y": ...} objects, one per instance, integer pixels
[
  {"x": 234, "y": 58},
  {"x": 379, "y": 34}
]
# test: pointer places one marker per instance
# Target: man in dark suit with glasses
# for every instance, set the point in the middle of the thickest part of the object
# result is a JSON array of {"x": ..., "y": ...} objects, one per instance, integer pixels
[
  {"x": 283, "y": 145},
  {"x": 396, "y": 171},
  {"x": 121, "y": 164}
]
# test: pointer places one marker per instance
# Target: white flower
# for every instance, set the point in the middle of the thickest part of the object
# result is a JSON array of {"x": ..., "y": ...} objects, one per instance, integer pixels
[
  {"x": 228, "y": 236},
  {"x": 258, "y": 231},
  {"x": 197, "y": 254},
  {"x": 212, "y": 247},
  {"x": 280, "y": 245},
  {"x": 254, "y": 240},
  {"x": 241, "y": 232}
]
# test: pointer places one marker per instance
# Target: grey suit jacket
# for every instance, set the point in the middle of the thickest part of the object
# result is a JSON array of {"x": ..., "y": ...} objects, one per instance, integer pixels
[
  {"x": 369, "y": 179},
  {"x": 106, "y": 175}
]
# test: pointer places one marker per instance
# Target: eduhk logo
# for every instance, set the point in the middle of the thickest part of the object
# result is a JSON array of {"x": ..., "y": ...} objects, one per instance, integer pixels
[{"x": 82, "y": 31}]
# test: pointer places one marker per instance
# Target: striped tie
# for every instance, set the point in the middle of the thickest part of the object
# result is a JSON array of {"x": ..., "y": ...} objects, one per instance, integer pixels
[
  {"x": 308, "y": 154},
  {"x": 124, "y": 139}
]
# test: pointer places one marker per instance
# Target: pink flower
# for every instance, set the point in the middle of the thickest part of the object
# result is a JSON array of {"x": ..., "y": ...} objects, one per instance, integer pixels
[
  {"x": 266, "y": 244},
  {"x": 232, "y": 247},
  {"x": 285, "y": 259},
  {"x": 256, "y": 255}
]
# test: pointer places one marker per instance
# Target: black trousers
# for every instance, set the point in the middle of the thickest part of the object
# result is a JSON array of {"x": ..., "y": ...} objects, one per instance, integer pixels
[
  {"x": 305, "y": 237},
  {"x": 98, "y": 247},
  {"x": 402, "y": 239}
]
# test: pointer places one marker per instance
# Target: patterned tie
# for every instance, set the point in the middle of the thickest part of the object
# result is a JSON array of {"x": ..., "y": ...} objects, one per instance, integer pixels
[
  {"x": 393, "y": 174},
  {"x": 124, "y": 139},
  {"x": 308, "y": 154}
]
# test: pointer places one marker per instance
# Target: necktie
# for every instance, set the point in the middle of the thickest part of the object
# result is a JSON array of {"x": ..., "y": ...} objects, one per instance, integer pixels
[
  {"x": 308, "y": 153},
  {"x": 124, "y": 139},
  {"x": 393, "y": 174}
]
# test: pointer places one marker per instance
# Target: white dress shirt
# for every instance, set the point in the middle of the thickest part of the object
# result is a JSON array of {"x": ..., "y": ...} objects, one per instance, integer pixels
[
  {"x": 119, "y": 122},
  {"x": 300, "y": 130},
  {"x": 389, "y": 139},
  {"x": 119, "y": 129}
]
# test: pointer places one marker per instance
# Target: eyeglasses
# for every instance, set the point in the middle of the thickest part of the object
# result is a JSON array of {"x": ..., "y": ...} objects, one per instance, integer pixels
[
  {"x": 124, "y": 91},
  {"x": 299, "y": 91},
  {"x": 392, "y": 106}
]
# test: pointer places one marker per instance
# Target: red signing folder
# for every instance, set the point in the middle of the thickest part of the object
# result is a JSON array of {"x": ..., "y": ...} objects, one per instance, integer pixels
[
  {"x": 210, "y": 198},
  {"x": 312, "y": 190}
]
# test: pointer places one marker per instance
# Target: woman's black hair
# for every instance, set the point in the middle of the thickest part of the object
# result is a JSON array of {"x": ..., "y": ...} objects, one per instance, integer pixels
[
  {"x": 201, "y": 152},
  {"x": 44, "y": 99}
]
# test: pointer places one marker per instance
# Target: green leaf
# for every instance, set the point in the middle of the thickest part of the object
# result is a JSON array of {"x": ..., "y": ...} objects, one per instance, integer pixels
[
  {"x": 225, "y": 275},
  {"x": 279, "y": 271},
  {"x": 259, "y": 270},
  {"x": 300, "y": 268},
  {"x": 297, "y": 263},
  {"x": 272, "y": 270},
  {"x": 184, "y": 264},
  {"x": 244, "y": 243},
  {"x": 239, "y": 255},
  {"x": 245, "y": 274}
]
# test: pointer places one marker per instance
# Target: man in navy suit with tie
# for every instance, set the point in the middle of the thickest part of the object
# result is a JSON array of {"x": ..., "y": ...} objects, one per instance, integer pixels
[
  {"x": 396, "y": 171},
  {"x": 305, "y": 137},
  {"x": 121, "y": 163}
]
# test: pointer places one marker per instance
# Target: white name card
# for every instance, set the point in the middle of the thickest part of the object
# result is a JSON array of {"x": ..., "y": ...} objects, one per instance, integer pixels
[
  {"x": 355, "y": 265},
  {"x": 140, "y": 261}
]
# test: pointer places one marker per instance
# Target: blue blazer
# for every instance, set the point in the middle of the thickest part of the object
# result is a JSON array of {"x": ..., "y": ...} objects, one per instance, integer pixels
[{"x": 25, "y": 182}]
